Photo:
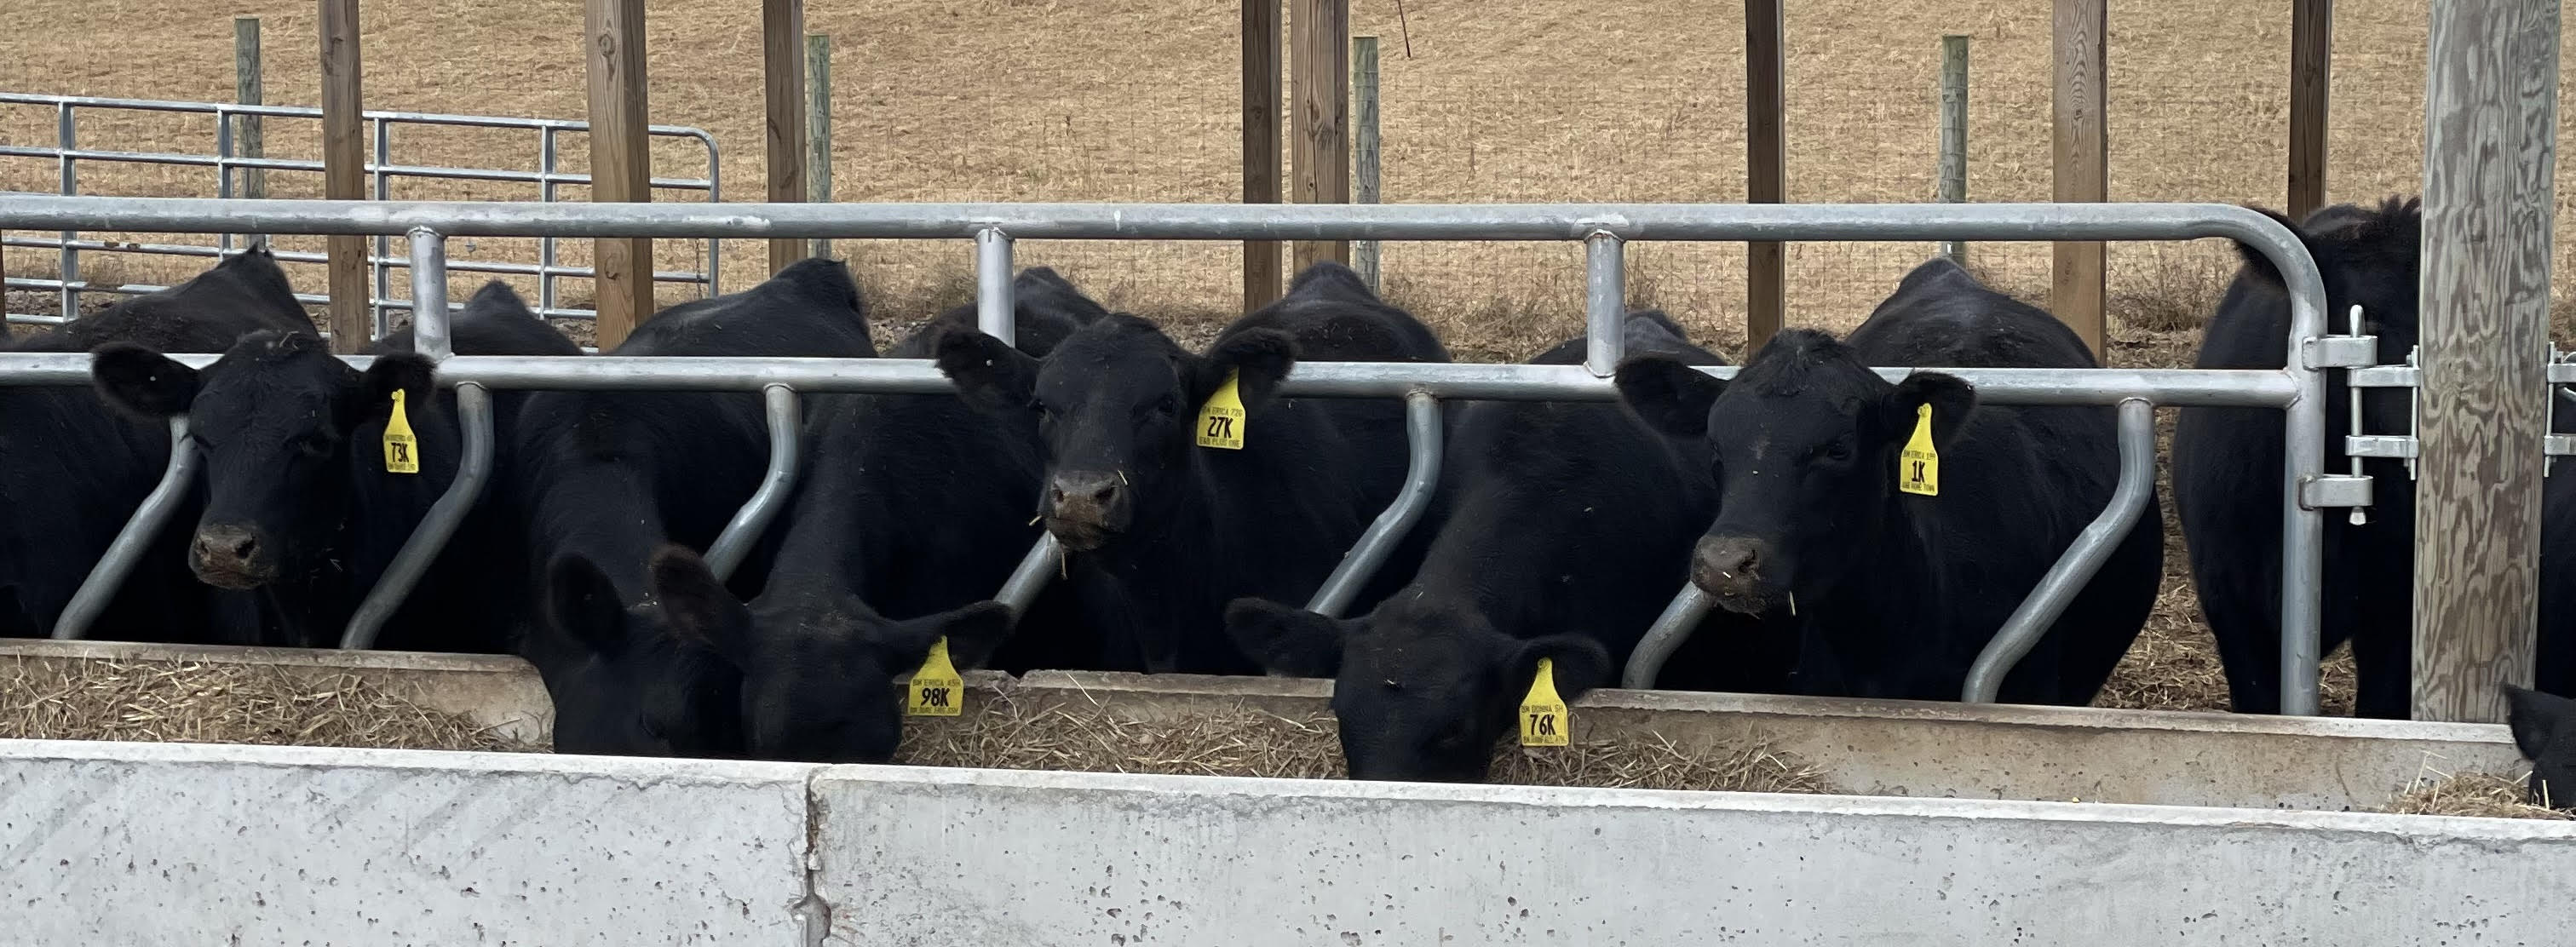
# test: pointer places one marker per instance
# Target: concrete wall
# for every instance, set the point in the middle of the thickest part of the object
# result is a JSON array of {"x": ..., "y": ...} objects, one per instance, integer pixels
[
  {"x": 131, "y": 843},
  {"x": 1898, "y": 748}
]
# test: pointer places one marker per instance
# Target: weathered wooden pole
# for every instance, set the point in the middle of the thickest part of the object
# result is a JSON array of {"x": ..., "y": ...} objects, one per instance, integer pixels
[
  {"x": 782, "y": 75},
  {"x": 344, "y": 174},
  {"x": 1766, "y": 166},
  {"x": 1320, "y": 42},
  {"x": 1262, "y": 277},
  {"x": 2081, "y": 146},
  {"x": 620, "y": 160},
  {"x": 2311, "y": 59}
]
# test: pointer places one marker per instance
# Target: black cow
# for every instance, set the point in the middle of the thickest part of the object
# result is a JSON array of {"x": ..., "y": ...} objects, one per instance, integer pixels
[
  {"x": 1160, "y": 533},
  {"x": 1564, "y": 528},
  {"x": 605, "y": 479},
  {"x": 300, "y": 502},
  {"x": 913, "y": 511},
  {"x": 2227, "y": 479},
  {"x": 72, "y": 471},
  {"x": 1896, "y": 593},
  {"x": 2544, "y": 729}
]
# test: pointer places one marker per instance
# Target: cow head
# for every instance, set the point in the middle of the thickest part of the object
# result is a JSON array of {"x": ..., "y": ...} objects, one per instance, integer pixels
[
  {"x": 1117, "y": 405},
  {"x": 818, "y": 666},
  {"x": 631, "y": 687},
  {"x": 1422, "y": 689},
  {"x": 2544, "y": 728},
  {"x": 272, "y": 418},
  {"x": 1803, "y": 445}
]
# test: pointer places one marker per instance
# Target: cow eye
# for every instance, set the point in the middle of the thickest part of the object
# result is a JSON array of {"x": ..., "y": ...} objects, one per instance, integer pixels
[
  {"x": 1836, "y": 451},
  {"x": 1169, "y": 403},
  {"x": 315, "y": 445}
]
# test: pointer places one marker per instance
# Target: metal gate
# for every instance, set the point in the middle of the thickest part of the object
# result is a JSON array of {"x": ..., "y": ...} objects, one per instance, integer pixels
[{"x": 235, "y": 172}]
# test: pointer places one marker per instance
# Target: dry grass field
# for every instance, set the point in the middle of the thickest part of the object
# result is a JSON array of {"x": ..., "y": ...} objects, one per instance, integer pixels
[{"x": 1485, "y": 100}]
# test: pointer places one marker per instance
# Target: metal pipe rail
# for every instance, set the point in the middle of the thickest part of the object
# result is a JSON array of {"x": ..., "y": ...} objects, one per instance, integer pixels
[
  {"x": 1421, "y": 475},
  {"x": 2297, "y": 388}
]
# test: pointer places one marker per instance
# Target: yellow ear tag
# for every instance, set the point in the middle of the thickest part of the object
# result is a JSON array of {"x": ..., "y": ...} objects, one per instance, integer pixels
[
  {"x": 1918, "y": 467},
  {"x": 936, "y": 690},
  {"x": 1221, "y": 419},
  {"x": 1542, "y": 712},
  {"x": 402, "y": 451}
]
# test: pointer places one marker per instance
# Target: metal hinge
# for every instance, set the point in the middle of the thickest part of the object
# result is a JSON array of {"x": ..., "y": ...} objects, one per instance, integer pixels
[
  {"x": 2332, "y": 491},
  {"x": 2339, "y": 351}
]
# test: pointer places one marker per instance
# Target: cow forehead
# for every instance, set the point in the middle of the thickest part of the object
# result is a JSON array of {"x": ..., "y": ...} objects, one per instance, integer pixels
[
  {"x": 264, "y": 390},
  {"x": 1132, "y": 364}
]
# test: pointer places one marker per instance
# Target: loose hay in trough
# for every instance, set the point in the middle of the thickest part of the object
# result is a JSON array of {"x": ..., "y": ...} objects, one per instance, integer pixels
[
  {"x": 2483, "y": 795},
  {"x": 1007, "y": 730},
  {"x": 207, "y": 702}
]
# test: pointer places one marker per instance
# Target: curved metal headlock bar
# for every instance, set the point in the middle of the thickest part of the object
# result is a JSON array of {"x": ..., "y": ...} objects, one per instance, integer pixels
[
  {"x": 2081, "y": 560},
  {"x": 140, "y": 529},
  {"x": 1422, "y": 473},
  {"x": 473, "y": 474},
  {"x": 2298, "y": 388},
  {"x": 778, "y": 404}
]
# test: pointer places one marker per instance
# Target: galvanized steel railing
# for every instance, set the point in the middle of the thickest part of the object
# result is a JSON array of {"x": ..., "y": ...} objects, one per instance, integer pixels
[
  {"x": 1605, "y": 229},
  {"x": 67, "y": 153}
]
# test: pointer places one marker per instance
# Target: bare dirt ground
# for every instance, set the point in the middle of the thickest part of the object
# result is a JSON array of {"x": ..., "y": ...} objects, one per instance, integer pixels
[{"x": 1485, "y": 100}]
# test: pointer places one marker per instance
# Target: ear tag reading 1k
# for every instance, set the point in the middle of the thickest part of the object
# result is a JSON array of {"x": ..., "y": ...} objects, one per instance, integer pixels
[
  {"x": 1221, "y": 419},
  {"x": 1542, "y": 712},
  {"x": 936, "y": 690},
  {"x": 402, "y": 451},
  {"x": 1918, "y": 467}
]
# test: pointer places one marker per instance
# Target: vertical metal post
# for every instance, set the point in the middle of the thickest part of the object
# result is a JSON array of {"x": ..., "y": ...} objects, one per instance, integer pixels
[
  {"x": 1364, "y": 142},
  {"x": 380, "y": 262},
  {"x": 1954, "y": 134},
  {"x": 427, "y": 540},
  {"x": 223, "y": 169},
  {"x": 247, "y": 91},
  {"x": 818, "y": 128},
  {"x": 67, "y": 260},
  {"x": 429, "y": 335},
  {"x": 131, "y": 542},
  {"x": 1605, "y": 303},
  {"x": 993, "y": 302},
  {"x": 779, "y": 405},
  {"x": 546, "y": 194},
  {"x": 1422, "y": 474},
  {"x": 2303, "y": 529}
]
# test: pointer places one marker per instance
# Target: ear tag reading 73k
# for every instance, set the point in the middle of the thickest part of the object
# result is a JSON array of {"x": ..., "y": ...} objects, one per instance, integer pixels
[
  {"x": 936, "y": 690},
  {"x": 402, "y": 451},
  {"x": 1221, "y": 419},
  {"x": 1542, "y": 712},
  {"x": 1918, "y": 467}
]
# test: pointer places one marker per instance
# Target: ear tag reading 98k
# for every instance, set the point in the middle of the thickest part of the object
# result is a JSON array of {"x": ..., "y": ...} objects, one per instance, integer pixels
[
  {"x": 1542, "y": 712},
  {"x": 402, "y": 451},
  {"x": 1221, "y": 419},
  {"x": 1918, "y": 468},
  {"x": 936, "y": 690}
]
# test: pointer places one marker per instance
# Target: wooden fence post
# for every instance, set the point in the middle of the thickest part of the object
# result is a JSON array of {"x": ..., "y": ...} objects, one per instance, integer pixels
[
  {"x": 1766, "y": 167},
  {"x": 1364, "y": 253},
  {"x": 620, "y": 160},
  {"x": 2490, "y": 150},
  {"x": 818, "y": 127},
  {"x": 1320, "y": 42},
  {"x": 2311, "y": 59},
  {"x": 1262, "y": 276},
  {"x": 1954, "y": 134},
  {"x": 2082, "y": 157},
  {"x": 782, "y": 84},
  {"x": 344, "y": 173}
]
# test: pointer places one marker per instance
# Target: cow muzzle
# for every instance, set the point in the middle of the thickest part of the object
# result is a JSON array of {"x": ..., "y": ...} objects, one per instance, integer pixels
[
  {"x": 1732, "y": 569},
  {"x": 1084, "y": 509},
  {"x": 231, "y": 557}
]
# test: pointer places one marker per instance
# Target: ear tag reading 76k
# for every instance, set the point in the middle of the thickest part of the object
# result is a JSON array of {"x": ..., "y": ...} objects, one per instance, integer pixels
[
  {"x": 402, "y": 451},
  {"x": 1542, "y": 712},
  {"x": 1221, "y": 419},
  {"x": 1918, "y": 467},
  {"x": 936, "y": 690}
]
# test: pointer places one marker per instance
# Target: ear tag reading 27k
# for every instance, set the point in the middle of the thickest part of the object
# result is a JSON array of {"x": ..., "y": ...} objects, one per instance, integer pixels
[
  {"x": 1221, "y": 419},
  {"x": 1918, "y": 468},
  {"x": 936, "y": 690},
  {"x": 402, "y": 451},
  {"x": 1542, "y": 712}
]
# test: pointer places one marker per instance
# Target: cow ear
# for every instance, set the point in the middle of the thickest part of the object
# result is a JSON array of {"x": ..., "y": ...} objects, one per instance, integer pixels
[
  {"x": 142, "y": 382},
  {"x": 1579, "y": 663},
  {"x": 973, "y": 632},
  {"x": 697, "y": 607},
  {"x": 416, "y": 377},
  {"x": 1668, "y": 396},
  {"x": 1950, "y": 396},
  {"x": 2260, "y": 267},
  {"x": 989, "y": 374},
  {"x": 582, "y": 604},
  {"x": 1291, "y": 641},
  {"x": 1259, "y": 359},
  {"x": 2536, "y": 718}
]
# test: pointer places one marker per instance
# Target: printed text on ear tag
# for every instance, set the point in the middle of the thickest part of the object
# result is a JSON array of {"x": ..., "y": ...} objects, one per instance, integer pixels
[
  {"x": 1221, "y": 419},
  {"x": 402, "y": 451},
  {"x": 1542, "y": 712},
  {"x": 936, "y": 690},
  {"x": 1918, "y": 467}
]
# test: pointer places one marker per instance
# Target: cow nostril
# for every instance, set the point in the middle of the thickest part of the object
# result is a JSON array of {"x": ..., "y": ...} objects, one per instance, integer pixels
[
  {"x": 242, "y": 548},
  {"x": 1104, "y": 493}
]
